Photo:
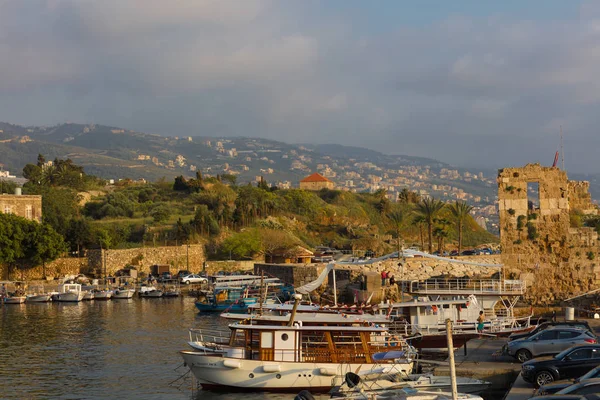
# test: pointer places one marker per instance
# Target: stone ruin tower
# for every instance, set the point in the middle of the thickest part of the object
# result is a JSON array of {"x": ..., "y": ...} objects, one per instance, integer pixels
[{"x": 539, "y": 243}]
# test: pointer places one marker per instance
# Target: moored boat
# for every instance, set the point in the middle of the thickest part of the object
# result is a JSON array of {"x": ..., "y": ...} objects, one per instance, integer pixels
[
  {"x": 14, "y": 300},
  {"x": 123, "y": 293},
  {"x": 102, "y": 294},
  {"x": 275, "y": 357},
  {"x": 39, "y": 298},
  {"x": 154, "y": 293},
  {"x": 70, "y": 292}
]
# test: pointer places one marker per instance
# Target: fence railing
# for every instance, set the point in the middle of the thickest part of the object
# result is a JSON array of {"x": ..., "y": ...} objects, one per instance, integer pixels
[{"x": 486, "y": 286}]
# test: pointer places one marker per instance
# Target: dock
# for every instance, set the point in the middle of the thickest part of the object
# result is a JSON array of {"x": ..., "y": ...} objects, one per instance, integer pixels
[{"x": 480, "y": 362}]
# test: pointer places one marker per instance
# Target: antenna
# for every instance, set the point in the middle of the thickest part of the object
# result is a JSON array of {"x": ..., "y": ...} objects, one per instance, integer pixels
[{"x": 562, "y": 150}]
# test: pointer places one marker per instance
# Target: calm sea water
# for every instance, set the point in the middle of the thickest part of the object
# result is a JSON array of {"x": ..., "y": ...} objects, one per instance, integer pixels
[{"x": 119, "y": 349}]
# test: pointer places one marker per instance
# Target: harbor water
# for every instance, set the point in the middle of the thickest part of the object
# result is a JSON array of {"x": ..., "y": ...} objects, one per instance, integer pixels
[
  {"x": 120, "y": 349},
  {"x": 125, "y": 349}
]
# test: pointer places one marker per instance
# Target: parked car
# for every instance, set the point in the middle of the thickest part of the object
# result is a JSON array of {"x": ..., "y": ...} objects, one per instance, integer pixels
[
  {"x": 548, "y": 342},
  {"x": 549, "y": 324},
  {"x": 554, "y": 387},
  {"x": 587, "y": 387},
  {"x": 322, "y": 259},
  {"x": 569, "y": 364},
  {"x": 181, "y": 273},
  {"x": 193, "y": 278},
  {"x": 468, "y": 253},
  {"x": 165, "y": 276},
  {"x": 567, "y": 397}
]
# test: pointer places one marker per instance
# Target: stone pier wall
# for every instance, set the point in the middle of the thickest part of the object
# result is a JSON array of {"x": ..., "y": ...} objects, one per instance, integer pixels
[
  {"x": 57, "y": 268},
  {"x": 175, "y": 256}
]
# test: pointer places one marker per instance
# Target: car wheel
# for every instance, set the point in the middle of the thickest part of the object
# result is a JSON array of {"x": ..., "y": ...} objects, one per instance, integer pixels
[
  {"x": 524, "y": 355},
  {"x": 186, "y": 282},
  {"x": 543, "y": 378}
]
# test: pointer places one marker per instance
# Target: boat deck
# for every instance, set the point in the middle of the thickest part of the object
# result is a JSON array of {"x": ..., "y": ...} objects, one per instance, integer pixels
[{"x": 466, "y": 287}]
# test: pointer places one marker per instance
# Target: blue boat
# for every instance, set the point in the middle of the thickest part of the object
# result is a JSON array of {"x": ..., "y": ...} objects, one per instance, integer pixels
[{"x": 232, "y": 299}]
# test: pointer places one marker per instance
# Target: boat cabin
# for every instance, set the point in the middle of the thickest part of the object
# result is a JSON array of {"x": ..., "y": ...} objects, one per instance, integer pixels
[{"x": 299, "y": 343}]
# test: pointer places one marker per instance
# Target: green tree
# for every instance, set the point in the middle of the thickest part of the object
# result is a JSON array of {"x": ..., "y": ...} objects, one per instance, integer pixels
[
  {"x": 49, "y": 245},
  {"x": 160, "y": 213},
  {"x": 244, "y": 244},
  {"x": 430, "y": 208},
  {"x": 33, "y": 173},
  {"x": 397, "y": 218},
  {"x": 460, "y": 212}
]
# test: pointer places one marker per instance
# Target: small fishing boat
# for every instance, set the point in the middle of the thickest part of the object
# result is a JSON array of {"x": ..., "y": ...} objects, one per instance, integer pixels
[
  {"x": 70, "y": 292},
  {"x": 123, "y": 293},
  {"x": 102, "y": 294},
  {"x": 225, "y": 299},
  {"x": 152, "y": 294},
  {"x": 39, "y": 298},
  {"x": 14, "y": 300},
  {"x": 88, "y": 295},
  {"x": 380, "y": 380}
]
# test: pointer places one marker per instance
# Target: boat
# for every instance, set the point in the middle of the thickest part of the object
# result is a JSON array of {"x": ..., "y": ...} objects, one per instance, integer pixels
[
  {"x": 88, "y": 294},
  {"x": 14, "y": 299},
  {"x": 276, "y": 357},
  {"x": 172, "y": 292},
  {"x": 400, "y": 394},
  {"x": 153, "y": 293},
  {"x": 39, "y": 298},
  {"x": 102, "y": 294},
  {"x": 70, "y": 292},
  {"x": 145, "y": 288},
  {"x": 123, "y": 293},
  {"x": 230, "y": 299},
  {"x": 382, "y": 381}
]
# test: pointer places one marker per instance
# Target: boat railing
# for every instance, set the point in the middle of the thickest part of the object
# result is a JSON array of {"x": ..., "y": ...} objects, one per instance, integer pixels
[
  {"x": 470, "y": 286},
  {"x": 216, "y": 336}
]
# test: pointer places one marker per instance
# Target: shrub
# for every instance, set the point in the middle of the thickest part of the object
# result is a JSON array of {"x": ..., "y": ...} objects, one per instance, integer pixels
[
  {"x": 511, "y": 211},
  {"x": 532, "y": 232},
  {"x": 521, "y": 222},
  {"x": 591, "y": 255}
]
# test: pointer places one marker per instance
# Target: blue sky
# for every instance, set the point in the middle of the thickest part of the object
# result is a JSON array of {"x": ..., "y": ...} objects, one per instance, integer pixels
[{"x": 473, "y": 83}]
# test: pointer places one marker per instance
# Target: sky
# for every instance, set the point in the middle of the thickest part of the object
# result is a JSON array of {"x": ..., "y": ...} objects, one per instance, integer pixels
[{"x": 473, "y": 83}]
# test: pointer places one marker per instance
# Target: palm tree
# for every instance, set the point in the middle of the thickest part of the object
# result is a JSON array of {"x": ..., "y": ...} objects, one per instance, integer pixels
[
  {"x": 460, "y": 210},
  {"x": 397, "y": 218},
  {"x": 420, "y": 221},
  {"x": 429, "y": 209},
  {"x": 441, "y": 233}
]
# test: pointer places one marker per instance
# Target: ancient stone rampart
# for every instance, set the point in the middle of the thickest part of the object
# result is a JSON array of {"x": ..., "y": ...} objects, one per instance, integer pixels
[{"x": 536, "y": 233}]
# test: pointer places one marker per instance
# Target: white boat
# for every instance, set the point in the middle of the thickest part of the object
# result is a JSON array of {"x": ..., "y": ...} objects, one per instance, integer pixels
[
  {"x": 14, "y": 300},
  {"x": 401, "y": 394},
  {"x": 88, "y": 295},
  {"x": 382, "y": 381},
  {"x": 292, "y": 356},
  {"x": 121, "y": 293},
  {"x": 70, "y": 292},
  {"x": 39, "y": 298},
  {"x": 145, "y": 288},
  {"x": 102, "y": 294}
]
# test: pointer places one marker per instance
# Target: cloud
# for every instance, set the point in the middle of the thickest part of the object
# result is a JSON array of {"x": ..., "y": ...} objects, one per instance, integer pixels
[{"x": 459, "y": 89}]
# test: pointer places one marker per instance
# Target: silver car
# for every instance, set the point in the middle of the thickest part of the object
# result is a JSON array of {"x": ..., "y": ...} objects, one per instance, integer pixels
[{"x": 548, "y": 342}]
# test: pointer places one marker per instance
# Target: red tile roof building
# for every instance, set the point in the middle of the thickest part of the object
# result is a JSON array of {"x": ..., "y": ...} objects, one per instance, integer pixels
[{"x": 316, "y": 181}]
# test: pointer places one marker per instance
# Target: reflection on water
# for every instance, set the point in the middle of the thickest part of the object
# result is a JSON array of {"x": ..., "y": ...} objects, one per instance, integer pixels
[{"x": 113, "y": 349}]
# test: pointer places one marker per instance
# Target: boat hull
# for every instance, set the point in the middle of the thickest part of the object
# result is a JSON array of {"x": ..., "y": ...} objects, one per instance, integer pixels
[
  {"x": 152, "y": 294},
  {"x": 239, "y": 307},
  {"x": 213, "y": 371},
  {"x": 104, "y": 295},
  {"x": 123, "y": 294},
  {"x": 71, "y": 297},
  {"x": 14, "y": 300}
]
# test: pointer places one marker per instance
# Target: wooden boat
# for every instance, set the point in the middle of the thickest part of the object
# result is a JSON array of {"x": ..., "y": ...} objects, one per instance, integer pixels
[
  {"x": 102, "y": 294},
  {"x": 151, "y": 294},
  {"x": 292, "y": 356},
  {"x": 39, "y": 298}
]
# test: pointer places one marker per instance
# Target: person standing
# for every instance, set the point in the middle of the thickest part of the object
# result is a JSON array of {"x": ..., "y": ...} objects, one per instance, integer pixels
[
  {"x": 392, "y": 280},
  {"x": 383, "y": 277},
  {"x": 480, "y": 321}
]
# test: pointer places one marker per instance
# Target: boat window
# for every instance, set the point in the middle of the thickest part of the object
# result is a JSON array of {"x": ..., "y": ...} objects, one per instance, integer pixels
[
  {"x": 446, "y": 306},
  {"x": 284, "y": 337}
]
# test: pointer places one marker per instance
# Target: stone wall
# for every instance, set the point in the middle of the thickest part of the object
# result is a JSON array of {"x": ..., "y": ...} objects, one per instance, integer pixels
[
  {"x": 539, "y": 240},
  {"x": 55, "y": 269},
  {"x": 291, "y": 274},
  {"x": 143, "y": 258}
]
